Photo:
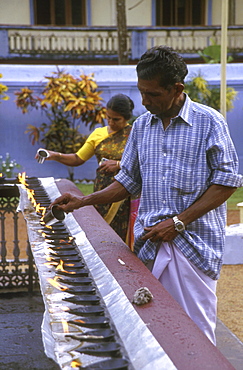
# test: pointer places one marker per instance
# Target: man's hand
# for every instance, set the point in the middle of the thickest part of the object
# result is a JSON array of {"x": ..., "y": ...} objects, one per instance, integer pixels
[
  {"x": 113, "y": 193},
  {"x": 163, "y": 231},
  {"x": 68, "y": 202}
]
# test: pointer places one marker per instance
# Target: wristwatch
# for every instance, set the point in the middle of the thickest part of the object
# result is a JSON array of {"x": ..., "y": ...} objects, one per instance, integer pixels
[{"x": 179, "y": 225}]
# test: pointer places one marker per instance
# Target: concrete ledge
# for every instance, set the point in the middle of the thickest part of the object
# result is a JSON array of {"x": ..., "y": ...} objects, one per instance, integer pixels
[
  {"x": 229, "y": 345},
  {"x": 233, "y": 245},
  {"x": 178, "y": 335}
]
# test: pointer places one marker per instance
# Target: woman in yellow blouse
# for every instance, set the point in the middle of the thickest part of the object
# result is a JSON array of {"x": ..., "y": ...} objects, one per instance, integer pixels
[{"x": 107, "y": 144}]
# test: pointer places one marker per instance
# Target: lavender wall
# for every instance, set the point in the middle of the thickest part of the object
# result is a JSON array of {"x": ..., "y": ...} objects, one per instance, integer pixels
[{"x": 111, "y": 80}]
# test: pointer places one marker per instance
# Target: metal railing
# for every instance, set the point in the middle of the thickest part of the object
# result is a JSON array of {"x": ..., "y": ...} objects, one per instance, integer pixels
[
  {"x": 17, "y": 268},
  {"x": 102, "y": 42}
]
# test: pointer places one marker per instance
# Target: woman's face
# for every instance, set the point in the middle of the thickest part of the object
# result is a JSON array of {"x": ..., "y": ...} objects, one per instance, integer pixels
[{"x": 115, "y": 120}]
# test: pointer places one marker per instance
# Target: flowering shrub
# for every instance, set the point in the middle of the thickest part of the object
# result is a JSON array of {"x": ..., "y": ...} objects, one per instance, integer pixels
[
  {"x": 3, "y": 89},
  {"x": 198, "y": 90},
  {"x": 66, "y": 102},
  {"x": 8, "y": 166}
]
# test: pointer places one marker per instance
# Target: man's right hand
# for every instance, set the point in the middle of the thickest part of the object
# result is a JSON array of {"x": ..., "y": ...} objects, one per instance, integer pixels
[
  {"x": 68, "y": 202},
  {"x": 113, "y": 193}
]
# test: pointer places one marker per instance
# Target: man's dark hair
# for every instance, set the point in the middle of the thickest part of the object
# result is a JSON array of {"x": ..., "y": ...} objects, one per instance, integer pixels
[
  {"x": 122, "y": 105},
  {"x": 162, "y": 62}
]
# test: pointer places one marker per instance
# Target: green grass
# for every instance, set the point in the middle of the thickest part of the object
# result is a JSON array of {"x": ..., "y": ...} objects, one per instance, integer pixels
[
  {"x": 85, "y": 188},
  {"x": 237, "y": 197}
]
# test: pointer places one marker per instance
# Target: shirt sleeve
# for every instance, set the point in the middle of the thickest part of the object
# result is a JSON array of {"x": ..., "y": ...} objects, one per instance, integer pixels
[
  {"x": 222, "y": 156},
  {"x": 88, "y": 149}
]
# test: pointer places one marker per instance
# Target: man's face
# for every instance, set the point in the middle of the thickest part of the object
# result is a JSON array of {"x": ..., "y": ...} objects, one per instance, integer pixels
[{"x": 155, "y": 98}]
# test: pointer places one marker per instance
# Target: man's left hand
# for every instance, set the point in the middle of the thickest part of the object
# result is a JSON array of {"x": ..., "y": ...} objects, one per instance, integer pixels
[{"x": 163, "y": 231}]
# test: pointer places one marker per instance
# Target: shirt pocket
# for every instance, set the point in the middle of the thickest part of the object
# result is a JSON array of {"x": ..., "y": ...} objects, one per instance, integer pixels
[{"x": 184, "y": 178}]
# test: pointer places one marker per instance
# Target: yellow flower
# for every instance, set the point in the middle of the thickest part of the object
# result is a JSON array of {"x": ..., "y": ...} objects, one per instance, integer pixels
[{"x": 3, "y": 89}]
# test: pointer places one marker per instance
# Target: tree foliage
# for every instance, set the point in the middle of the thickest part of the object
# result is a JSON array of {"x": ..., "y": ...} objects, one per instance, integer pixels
[
  {"x": 212, "y": 54},
  {"x": 198, "y": 90},
  {"x": 67, "y": 102},
  {"x": 3, "y": 89}
]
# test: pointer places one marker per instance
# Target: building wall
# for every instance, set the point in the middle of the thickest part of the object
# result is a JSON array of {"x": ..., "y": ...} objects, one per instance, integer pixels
[
  {"x": 216, "y": 12},
  {"x": 103, "y": 12},
  {"x": 111, "y": 80},
  {"x": 238, "y": 12},
  {"x": 15, "y": 12},
  {"x": 139, "y": 13}
]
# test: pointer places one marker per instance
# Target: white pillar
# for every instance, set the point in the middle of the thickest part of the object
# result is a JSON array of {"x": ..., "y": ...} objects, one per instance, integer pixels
[{"x": 223, "y": 84}]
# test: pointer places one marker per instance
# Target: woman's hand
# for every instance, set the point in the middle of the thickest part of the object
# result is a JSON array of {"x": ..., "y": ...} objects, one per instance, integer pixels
[
  {"x": 71, "y": 159},
  {"x": 110, "y": 166},
  {"x": 47, "y": 155}
]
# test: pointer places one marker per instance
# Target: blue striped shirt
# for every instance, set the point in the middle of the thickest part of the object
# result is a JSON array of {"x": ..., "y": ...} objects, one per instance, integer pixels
[{"x": 171, "y": 169}]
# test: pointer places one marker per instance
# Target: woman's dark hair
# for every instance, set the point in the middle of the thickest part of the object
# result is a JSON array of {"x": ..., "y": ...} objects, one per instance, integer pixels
[
  {"x": 162, "y": 62},
  {"x": 121, "y": 104}
]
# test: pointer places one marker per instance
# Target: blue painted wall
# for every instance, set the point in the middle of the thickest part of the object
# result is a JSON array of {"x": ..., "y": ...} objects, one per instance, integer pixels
[{"x": 111, "y": 80}]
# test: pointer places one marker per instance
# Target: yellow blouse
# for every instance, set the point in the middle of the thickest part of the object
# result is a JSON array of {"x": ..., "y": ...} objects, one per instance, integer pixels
[{"x": 94, "y": 139}]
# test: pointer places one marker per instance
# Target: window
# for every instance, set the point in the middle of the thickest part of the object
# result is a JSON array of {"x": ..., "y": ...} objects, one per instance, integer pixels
[
  {"x": 60, "y": 12},
  {"x": 180, "y": 12}
]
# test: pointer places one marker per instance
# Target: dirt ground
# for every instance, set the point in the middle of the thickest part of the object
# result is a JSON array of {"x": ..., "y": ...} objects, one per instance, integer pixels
[
  {"x": 230, "y": 284},
  {"x": 230, "y": 291}
]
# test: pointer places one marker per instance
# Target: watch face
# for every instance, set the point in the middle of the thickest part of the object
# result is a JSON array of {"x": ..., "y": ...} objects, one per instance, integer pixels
[{"x": 179, "y": 226}]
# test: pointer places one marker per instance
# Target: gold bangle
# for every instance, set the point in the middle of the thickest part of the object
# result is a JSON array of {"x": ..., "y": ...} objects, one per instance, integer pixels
[
  {"x": 118, "y": 164},
  {"x": 60, "y": 155}
]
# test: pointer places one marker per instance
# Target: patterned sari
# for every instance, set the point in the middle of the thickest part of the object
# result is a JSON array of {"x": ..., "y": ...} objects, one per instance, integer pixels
[{"x": 112, "y": 148}]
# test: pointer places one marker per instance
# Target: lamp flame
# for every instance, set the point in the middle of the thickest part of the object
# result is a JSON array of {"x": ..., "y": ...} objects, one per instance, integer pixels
[
  {"x": 65, "y": 308},
  {"x": 81, "y": 321},
  {"x": 76, "y": 363},
  {"x": 50, "y": 263},
  {"x": 60, "y": 266},
  {"x": 70, "y": 264},
  {"x": 57, "y": 285},
  {"x": 30, "y": 194},
  {"x": 21, "y": 178},
  {"x": 65, "y": 326}
]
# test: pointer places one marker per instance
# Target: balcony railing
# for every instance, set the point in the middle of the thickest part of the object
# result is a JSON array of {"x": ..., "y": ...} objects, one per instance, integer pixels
[
  {"x": 17, "y": 268},
  {"x": 102, "y": 42}
]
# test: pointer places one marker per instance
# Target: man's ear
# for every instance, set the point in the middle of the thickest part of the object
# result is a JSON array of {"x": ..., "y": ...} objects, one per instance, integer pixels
[{"x": 179, "y": 87}]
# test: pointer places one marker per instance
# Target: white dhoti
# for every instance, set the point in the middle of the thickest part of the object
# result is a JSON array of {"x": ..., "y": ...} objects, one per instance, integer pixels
[{"x": 190, "y": 287}]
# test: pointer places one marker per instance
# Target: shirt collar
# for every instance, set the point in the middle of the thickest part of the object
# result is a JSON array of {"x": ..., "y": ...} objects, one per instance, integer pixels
[
  {"x": 186, "y": 109},
  {"x": 184, "y": 113}
]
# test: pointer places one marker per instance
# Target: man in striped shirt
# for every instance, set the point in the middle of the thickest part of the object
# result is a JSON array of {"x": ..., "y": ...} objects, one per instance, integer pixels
[{"x": 181, "y": 160}]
